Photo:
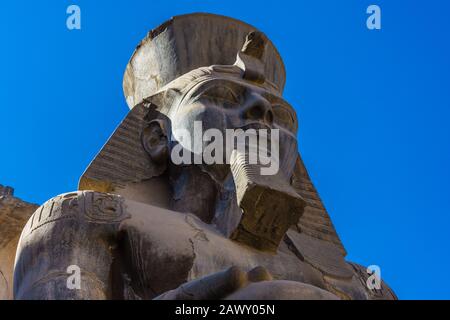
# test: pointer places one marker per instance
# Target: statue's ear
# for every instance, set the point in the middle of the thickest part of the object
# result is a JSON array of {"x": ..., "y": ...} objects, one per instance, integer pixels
[
  {"x": 155, "y": 140},
  {"x": 137, "y": 150},
  {"x": 155, "y": 136},
  {"x": 130, "y": 155}
]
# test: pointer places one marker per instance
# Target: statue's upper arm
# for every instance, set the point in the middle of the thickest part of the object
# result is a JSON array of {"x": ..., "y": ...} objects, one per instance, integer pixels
[{"x": 71, "y": 232}]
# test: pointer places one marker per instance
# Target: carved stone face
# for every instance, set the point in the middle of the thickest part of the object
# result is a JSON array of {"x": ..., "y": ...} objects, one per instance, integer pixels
[{"x": 232, "y": 103}]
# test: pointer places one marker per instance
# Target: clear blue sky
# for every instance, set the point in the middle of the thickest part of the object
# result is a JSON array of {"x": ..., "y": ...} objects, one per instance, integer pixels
[{"x": 374, "y": 110}]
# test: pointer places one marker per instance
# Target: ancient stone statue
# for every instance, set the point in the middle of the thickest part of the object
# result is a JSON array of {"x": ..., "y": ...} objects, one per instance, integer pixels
[{"x": 144, "y": 227}]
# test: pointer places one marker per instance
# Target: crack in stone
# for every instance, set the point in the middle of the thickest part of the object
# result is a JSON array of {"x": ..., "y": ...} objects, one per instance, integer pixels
[{"x": 200, "y": 234}]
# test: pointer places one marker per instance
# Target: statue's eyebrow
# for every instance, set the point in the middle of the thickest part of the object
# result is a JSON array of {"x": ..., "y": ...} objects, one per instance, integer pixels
[{"x": 239, "y": 85}]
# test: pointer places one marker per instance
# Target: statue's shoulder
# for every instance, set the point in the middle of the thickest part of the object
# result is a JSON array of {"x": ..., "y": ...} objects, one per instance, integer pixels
[
  {"x": 73, "y": 229},
  {"x": 88, "y": 208}
]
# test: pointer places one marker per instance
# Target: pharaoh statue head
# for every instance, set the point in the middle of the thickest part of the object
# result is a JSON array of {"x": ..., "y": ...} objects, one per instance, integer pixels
[{"x": 224, "y": 75}]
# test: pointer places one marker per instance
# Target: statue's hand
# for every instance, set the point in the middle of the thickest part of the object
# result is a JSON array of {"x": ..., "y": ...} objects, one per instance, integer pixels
[
  {"x": 217, "y": 285},
  {"x": 236, "y": 284},
  {"x": 281, "y": 290}
]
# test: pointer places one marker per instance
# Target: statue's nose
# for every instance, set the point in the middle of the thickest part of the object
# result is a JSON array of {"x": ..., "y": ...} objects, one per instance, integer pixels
[{"x": 258, "y": 108}]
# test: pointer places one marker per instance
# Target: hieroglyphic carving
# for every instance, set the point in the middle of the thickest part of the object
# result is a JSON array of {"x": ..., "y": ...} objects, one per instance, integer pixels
[
  {"x": 103, "y": 208},
  {"x": 94, "y": 207},
  {"x": 61, "y": 207}
]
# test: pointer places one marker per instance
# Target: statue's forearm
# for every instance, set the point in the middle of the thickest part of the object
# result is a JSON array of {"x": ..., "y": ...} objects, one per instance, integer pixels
[{"x": 65, "y": 251}]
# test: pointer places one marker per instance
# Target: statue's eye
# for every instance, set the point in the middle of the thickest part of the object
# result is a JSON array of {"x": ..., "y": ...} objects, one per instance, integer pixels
[
  {"x": 221, "y": 93},
  {"x": 283, "y": 117}
]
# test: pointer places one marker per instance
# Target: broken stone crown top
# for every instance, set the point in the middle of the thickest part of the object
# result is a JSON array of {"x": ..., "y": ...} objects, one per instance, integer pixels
[{"x": 191, "y": 41}]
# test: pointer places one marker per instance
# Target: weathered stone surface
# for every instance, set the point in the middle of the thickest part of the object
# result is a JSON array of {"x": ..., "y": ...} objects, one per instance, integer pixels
[
  {"x": 188, "y": 42},
  {"x": 14, "y": 213},
  {"x": 320, "y": 254},
  {"x": 270, "y": 205}
]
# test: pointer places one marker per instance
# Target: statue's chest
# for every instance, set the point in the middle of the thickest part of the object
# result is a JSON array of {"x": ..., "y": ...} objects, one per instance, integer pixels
[
  {"x": 163, "y": 254},
  {"x": 218, "y": 253}
]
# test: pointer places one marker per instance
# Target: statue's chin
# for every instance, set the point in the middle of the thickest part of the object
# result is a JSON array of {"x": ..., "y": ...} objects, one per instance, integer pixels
[{"x": 281, "y": 290}]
